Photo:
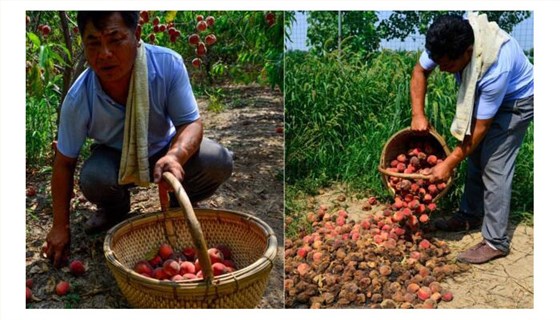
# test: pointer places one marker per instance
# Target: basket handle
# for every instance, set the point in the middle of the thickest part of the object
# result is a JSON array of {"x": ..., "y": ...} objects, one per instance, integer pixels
[
  {"x": 193, "y": 225},
  {"x": 402, "y": 175}
]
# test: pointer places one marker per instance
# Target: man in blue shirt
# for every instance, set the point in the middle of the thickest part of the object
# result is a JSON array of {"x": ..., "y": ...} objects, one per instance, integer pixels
[
  {"x": 503, "y": 110},
  {"x": 95, "y": 108}
]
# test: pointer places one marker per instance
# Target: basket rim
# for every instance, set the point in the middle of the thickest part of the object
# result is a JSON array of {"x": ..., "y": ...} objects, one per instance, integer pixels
[
  {"x": 408, "y": 129},
  {"x": 265, "y": 262}
]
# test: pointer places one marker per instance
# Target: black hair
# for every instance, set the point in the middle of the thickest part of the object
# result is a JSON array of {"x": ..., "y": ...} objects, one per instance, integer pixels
[
  {"x": 449, "y": 35},
  {"x": 98, "y": 19}
]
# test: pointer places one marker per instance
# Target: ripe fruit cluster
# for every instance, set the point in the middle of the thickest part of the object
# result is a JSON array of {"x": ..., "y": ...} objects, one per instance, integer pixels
[
  {"x": 158, "y": 27},
  {"x": 270, "y": 18},
  {"x": 196, "y": 40},
  {"x": 166, "y": 264},
  {"x": 413, "y": 199}
]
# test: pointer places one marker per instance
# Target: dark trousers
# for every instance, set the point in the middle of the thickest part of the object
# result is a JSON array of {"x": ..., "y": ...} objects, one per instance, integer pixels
[
  {"x": 491, "y": 166},
  {"x": 204, "y": 173}
]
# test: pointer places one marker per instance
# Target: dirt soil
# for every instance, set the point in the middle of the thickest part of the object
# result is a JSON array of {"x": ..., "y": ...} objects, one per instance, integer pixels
[
  {"x": 502, "y": 283},
  {"x": 247, "y": 126}
]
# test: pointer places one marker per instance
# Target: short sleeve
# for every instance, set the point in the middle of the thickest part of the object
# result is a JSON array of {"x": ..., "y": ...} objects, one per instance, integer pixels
[
  {"x": 181, "y": 103},
  {"x": 426, "y": 62},
  {"x": 72, "y": 128}
]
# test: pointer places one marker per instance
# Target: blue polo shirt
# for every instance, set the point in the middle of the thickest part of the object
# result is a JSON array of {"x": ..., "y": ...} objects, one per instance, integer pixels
[
  {"x": 87, "y": 112},
  {"x": 509, "y": 78}
]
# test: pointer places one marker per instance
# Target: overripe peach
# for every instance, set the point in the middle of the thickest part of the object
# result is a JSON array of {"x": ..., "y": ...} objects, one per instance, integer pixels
[
  {"x": 77, "y": 268},
  {"x": 447, "y": 296}
]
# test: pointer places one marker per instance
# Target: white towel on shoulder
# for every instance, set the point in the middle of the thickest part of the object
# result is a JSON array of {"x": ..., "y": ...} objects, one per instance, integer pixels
[
  {"x": 134, "y": 166},
  {"x": 488, "y": 39}
]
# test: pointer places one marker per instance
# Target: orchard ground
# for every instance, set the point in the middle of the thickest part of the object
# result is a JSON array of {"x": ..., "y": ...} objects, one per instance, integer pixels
[
  {"x": 247, "y": 126},
  {"x": 502, "y": 283}
]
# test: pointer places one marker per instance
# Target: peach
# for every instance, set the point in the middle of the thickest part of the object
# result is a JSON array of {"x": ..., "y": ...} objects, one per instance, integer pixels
[
  {"x": 143, "y": 267},
  {"x": 424, "y": 244},
  {"x": 303, "y": 268},
  {"x": 432, "y": 206},
  {"x": 29, "y": 283},
  {"x": 432, "y": 160},
  {"x": 177, "y": 277},
  {"x": 62, "y": 288},
  {"x": 372, "y": 201},
  {"x": 427, "y": 198},
  {"x": 401, "y": 167},
  {"x": 394, "y": 163},
  {"x": 171, "y": 267},
  {"x": 385, "y": 270},
  {"x": 215, "y": 255},
  {"x": 219, "y": 268},
  {"x": 189, "y": 253},
  {"x": 424, "y": 218},
  {"x": 412, "y": 287},
  {"x": 401, "y": 157},
  {"x": 155, "y": 261},
  {"x": 159, "y": 274},
  {"x": 186, "y": 267},
  {"x": 77, "y": 268},
  {"x": 189, "y": 276},
  {"x": 441, "y": 186},
  {"x": 424, "y": 293},
  {"x": 406, "y": 212},
  {"x": 432, "y": 189},
  {"x": 28, "y": 294},
  {"x": 165, "y": 251},
  {"x": 447, "y": 296}
]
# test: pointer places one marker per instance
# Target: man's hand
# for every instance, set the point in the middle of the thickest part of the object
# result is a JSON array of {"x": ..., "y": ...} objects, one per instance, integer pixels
[
  {"x": 420, "y": 123},
  {"x": 168, "y": 163},
  {"x": 58, "y": 245},
  {"x": 441, "y": 172}
]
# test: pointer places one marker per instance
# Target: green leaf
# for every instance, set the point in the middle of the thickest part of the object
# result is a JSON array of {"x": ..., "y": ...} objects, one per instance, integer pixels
[{"x": 34, "y": 39}]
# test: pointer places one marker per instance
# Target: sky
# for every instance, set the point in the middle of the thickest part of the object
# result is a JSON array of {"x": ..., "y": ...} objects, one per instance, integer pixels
[{"x": 523, "y": 32}]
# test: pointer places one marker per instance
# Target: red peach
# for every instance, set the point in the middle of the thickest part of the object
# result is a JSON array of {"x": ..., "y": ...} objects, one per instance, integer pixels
[
  {"x": 189, "y": 276},
  {"x": 219, "y": 268},
  {"x": 230, "y": 264},
  {"x": 171, "y": 267},
  {"x": 77, "y": 268},
  {"x": 62, "y": 288},
  {"x": 431, "y": 160},
  {"x": 401, "y": 157},
  {"x": 441, "y": 186},
  {"x": 210, "y": 21},
  {"x": 155, "y": 261},
  {"x": 29, "y": 283},
  {"x": 143, "y": 267},
  {"x": 424, "y": 218},
  {"x": 447, "y": 296},
  {"x": 427, "y": 198},
  {"x": 432, "y": 189},
  {"x": 432, "y": 206},
  {"x": 189, "y": 253},
  {"x": 186, "y": 267},
  {"x": 28, "y": 294},
  {"x": 215, "y": 255},
  {"x": 160, "y": 274},
  {"x": 424, "y": 293},
  {"x": 201, "y": 25},
  {"x": 372, "y": 200},
  {"x": 424, "y": 244},
  {"x": 165, "y": 251},
  {"x": 176, "y": 277}
]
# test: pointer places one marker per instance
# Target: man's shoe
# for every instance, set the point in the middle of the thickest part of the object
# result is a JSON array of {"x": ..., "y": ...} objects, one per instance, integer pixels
[
  {"x": 458, "y": 222},
  {"x": 102, "y": 221},
  {"x": 480, "y": 253}
]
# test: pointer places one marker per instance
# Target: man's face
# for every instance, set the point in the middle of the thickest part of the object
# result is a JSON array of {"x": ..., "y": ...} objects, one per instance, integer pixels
[
  {"x": 110, "y": 51},
  {"x": 455, "y": 65}
]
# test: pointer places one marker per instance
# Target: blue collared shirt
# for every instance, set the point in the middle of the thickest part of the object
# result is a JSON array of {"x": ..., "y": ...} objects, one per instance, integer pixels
[
  {"x": 88, "y": 112},
  {"x": 509, "y": 78}
]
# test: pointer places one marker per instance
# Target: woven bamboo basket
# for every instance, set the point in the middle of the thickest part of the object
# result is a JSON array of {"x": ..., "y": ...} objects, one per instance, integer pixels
[
  {"x": 252, "y": 242},
  {"x": 400, "y": 143}
]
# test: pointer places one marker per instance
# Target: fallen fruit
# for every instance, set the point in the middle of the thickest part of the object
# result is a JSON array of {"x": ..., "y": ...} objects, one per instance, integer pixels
[
  {"x": 77, "y": 268},
  {"x": 62, "y": 288}
]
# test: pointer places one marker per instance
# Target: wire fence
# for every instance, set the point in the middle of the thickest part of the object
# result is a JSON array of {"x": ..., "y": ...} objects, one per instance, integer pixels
[{"x": 297, "y": 36}]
